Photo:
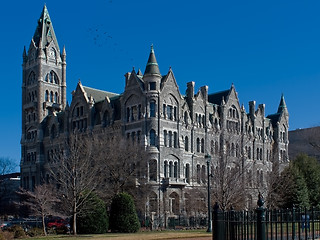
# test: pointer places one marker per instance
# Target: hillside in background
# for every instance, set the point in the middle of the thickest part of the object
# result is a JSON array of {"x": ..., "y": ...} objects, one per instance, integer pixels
[{"x": 304, "y": 141}]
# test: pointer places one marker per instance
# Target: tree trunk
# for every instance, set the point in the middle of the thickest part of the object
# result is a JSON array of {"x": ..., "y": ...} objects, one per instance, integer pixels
[
  {"x": 74, "y": 221},
  {"x": 44, "y": 226}
]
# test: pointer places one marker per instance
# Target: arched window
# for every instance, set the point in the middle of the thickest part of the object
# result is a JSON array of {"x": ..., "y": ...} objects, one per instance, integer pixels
[
  {"x": 46, "y": 96},
  {"x": 153, "y": 170},
  {"x": 198, "y": 173},
  {"x": 175, "y": 140},
  {"x": 188, "y": 173},
  {"x": 31, "y": 78},
  {"x": 202, "y": 145},
  {"x": 52, "y": 77},
  {"x": 165, "y": 136},
  {"x": 152, "y": 137},
  {"x": 232, "y": 150},
  {"x": 175, "y": 170},
  {"x": 186, "y": 143},
  {"x": 56, "y": 97},
  {"x": 198, "y": 145},
  {"x": 165, "y": 169},
  {"x": 170, "y": 169},
  {"x": 170, "y": 139}
]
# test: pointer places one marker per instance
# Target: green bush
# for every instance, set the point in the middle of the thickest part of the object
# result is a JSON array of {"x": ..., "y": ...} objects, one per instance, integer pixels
[
  {"x": 94, "y": 218},
  {"x": 123, "y": 215}
]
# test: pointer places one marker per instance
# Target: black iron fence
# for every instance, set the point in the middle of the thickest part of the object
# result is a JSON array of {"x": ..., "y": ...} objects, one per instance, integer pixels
[{"x": 263, "y": 224}]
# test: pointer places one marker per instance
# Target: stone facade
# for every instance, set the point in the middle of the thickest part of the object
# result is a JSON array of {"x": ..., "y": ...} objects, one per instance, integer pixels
[{"x": 178, "y": 131}]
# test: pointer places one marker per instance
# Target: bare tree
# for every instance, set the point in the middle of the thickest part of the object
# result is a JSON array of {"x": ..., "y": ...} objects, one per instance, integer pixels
[
  {"x": 123, "y": 165},
  {"x": 7, "y": 186},
  {"x": 101, "y": 163},
  {"x": 41, "y": 201},
  {"x": 230, "y": 178},
  {"x": 196, "y": 202},
  {"x": 76, "y": 174},
  {"x": 6, "y": 165}
]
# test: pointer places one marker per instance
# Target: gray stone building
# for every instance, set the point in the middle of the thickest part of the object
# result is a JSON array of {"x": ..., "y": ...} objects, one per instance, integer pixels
[{"x": 177, "y": 130}]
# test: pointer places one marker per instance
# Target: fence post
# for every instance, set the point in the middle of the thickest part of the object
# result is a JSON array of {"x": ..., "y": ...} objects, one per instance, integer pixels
[
  {"x": 218, "y": 223},
  {"x": 261, "y": 225},
  {"x": 293, "y": 223}
]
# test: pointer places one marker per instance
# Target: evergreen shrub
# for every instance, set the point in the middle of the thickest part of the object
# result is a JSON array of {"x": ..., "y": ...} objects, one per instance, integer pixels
[
  {"x": 94, "y": 218},
  {"x": 123, "y": 215}
]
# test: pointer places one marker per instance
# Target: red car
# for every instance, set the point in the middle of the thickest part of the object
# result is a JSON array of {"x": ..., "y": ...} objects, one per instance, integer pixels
[{"x": 58, "y": 224}]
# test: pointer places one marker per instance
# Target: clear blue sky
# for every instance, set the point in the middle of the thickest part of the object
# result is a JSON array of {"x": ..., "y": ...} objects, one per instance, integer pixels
[{"x": 265, "y": 48}]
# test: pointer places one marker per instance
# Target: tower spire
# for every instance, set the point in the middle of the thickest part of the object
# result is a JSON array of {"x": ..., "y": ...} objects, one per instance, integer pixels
[
  {"x": 152, "y": 67},
  {"x": 282, "y": 106},
  {"x": 44, "y": 31}
]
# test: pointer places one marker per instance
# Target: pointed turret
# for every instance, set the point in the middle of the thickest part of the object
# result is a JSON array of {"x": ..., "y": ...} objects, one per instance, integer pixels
[
  {"x": 24, "y": 55},
  {"x": 282, "y": 106},
  {"x": 152, "y": 67},
  {"x": 44, "y": 33}
]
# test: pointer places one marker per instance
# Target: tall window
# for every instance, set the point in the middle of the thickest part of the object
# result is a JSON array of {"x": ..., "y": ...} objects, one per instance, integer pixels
[
  {"x": 51, "y": 96},
  {"x": 152, "y": 137},
  {"x": 47, "y": 96},
  {"x": 152, "y": 109},
  {"x": 186, "y": 143},
  {"x": 202, "y": 145},
  {"x": 165, "y": 169},
  {"x": 128, "y": 114},
  {"x": 169, "y": 112},
  {"x": 175, "y": 170},
  {"x": 188, "y": 173},
  {"x": 175, "y": 140},
  {"x": 170, "y": 139},
  {"x": 198, "y": 145},
  {"x": 164, "y": 110},
  {"x": 153, "y": 170},
  {"x": 198, "y": 173},
  {"x": 165, "y": 138},
  {"x": 170, "y": 169}
]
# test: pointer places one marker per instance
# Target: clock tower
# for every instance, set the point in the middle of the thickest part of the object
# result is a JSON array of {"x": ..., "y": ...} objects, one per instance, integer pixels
[{"x": 43, "y": 89}]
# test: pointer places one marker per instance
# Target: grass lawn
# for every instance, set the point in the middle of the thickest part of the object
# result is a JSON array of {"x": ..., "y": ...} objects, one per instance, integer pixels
[{"x": 181, "y": 234}]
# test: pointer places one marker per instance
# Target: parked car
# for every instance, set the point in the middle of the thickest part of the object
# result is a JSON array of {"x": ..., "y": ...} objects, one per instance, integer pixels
[
  {"x": 59, "y": 224},
  {"x": 5, "y": 225}
]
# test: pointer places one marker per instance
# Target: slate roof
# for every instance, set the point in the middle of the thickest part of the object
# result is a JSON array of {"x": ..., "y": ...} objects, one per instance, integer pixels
[
  {"x": 99, "y": 95},
  {"x": 216, "y": 98},
  {"x": 274, "y": 118}
]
